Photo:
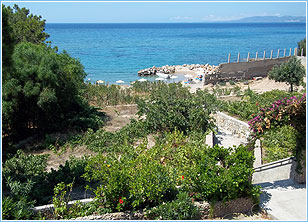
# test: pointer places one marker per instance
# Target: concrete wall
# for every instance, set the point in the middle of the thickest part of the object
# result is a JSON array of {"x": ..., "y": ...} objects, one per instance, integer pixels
[
  {"x": 275, "y": 171},
  {"x": 244, "y": 70}
]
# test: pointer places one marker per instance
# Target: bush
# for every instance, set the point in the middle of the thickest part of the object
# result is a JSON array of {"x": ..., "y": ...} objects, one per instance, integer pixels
[
  {"x": 251, "y": 102},
  {"x": 231, "y": 82},
  {"x": 173, "y": 107},
  {"x": 13, "y": 209},
  {"x": 24, "y": 175},
  {"x": 144, "y": 177},
  {"x": 222, "y": 174},
  {"x": 127, "y": 183},
  {"x": 180, "y": 209},
  {"x": 279, "y": 143}
]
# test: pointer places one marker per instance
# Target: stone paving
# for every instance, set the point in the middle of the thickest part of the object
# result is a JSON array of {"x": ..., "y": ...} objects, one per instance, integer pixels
[{"x": 284, "y": 200}]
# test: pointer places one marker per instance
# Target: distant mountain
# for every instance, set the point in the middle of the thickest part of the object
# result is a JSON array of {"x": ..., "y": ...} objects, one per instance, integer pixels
[{"x": 271, "y": 19}]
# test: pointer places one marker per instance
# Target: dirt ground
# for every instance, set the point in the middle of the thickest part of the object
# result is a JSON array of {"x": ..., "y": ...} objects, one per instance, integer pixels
[{"x": 117, "y": 117}]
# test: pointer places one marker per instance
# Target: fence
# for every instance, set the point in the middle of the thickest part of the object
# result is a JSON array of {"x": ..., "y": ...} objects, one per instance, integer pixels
[{"x": 249, "y": 58}]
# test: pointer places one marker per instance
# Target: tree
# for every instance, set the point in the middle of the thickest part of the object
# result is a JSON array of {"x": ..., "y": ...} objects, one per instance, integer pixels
[
  {"x": 291, "y": 72},
  {"x": 43, "y": 91},
  {"x": 8, "y": 42},
  {"x": 301, "y": 45},
  {"x": 25, "y": 27}
]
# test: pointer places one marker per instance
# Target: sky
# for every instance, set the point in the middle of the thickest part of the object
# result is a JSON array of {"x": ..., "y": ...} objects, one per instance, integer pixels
[{"x": 119, "y": 12}]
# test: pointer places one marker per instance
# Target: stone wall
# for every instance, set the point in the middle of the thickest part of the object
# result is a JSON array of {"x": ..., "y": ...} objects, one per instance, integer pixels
[
  {"x": 243, "y": 70},
  {"x": 232, "y": 125}
]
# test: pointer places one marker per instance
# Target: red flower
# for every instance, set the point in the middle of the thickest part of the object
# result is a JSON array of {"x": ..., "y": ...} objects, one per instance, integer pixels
[
  {"x": 120, "y": 201},
  {"x": 182, "y": 177}
]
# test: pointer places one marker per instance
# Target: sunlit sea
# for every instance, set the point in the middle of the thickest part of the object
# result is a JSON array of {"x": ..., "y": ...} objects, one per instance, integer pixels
[{"x": 116, "y": 51}]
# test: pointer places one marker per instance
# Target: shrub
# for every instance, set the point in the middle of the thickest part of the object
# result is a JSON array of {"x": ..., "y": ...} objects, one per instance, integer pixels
[
  {"x": 24, "y": 175},
  {"x": 14, "y": 209},
  {"x": 181, "y": 208},
  {"x": 144, "y": 177},
  {"x": 173, "y": 107},
  {"x": 251, "y": 102},
  {"x": 231, "y": 82},
  {"x": 278, "y": 143},
  {"x": 61, "y": 198},
  {"x": 222, "y": 174},
  {"x": 127, "y": 183}
]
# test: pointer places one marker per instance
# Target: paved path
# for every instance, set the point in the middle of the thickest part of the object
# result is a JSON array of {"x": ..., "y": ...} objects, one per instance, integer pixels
[{"x": 284, "y": 200}]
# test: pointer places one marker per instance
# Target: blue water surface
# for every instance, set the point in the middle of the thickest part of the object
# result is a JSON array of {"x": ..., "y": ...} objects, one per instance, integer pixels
[{"x": 116, "y": 51}]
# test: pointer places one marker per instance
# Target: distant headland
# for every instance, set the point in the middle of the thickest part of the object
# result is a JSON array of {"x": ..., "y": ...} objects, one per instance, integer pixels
[{"x": 269, "y": 19}]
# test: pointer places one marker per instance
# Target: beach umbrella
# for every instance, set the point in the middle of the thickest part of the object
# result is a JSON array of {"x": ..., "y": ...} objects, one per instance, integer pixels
[
  {"x": 120, "y": 81},
  {"x": 174, "y": 77},
  {"x": 142, "y": 80},
  {"x": 160, "y": 79},
  {"x": 188, "y": 76}
]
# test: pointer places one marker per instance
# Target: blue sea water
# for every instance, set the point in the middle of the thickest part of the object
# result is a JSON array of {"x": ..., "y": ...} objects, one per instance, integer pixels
[{"x": 116, "y": 51}]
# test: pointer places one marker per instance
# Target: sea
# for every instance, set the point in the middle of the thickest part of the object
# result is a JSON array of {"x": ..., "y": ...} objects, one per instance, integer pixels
[{"x": 117, "y": 51}]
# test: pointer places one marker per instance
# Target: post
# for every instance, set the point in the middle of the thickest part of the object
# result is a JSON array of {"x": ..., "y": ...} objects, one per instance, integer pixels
[
  {"x": 256, "y": 55},
  {"x": 284, "y": 52},
  {"x": 271, "y": 54},
  {"x": 302, "y": 52},
  {"x": 278, "y": 53},
  {"x": 295, "y": 51},
  {"x": 264, "y": 55},
  {"x": 229, "y": 57},
  {"x": 290, "y": 52},
  {"x": 238, "y": 57},
  {"x": 248, "y": 56}
]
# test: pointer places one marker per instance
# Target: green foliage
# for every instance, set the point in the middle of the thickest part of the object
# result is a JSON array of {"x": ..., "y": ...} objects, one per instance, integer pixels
[
  {"x": 141, "y": 177},
  {"x": 291, "y": 72},
  {"x": 172, "y": 106},
  {"x": 71, "y": 171},
  {"x": 43, "y": 92},
  {"x": 7, "y": 43},
  {"x": 301, "y": 45},
  {"x": 222, "y": 174},
  {"x": 231, "y": 82},
  {"x": 61, "y": 198},
  {"x": 222, "y": 83},
  {"x": 251, "y": 102},
  {"x": 25, "y": 27},
  {"x": 109, "y": 95},
  {"x": 287, "y": 111},
  {"x": 13, "y": 209},
  {"x": 24, "y": 173},
  {"x": 104, "y": 141},
  {"x": 182, "y": 208},
  {"x": 127, "y": 182},
  {"x": 279, "y": 143}
]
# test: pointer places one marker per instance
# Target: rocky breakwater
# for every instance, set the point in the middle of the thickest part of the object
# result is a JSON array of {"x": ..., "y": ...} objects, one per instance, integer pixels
[
  {"x": 203, "y": 68},
  {"x": 152, "y": 71}
]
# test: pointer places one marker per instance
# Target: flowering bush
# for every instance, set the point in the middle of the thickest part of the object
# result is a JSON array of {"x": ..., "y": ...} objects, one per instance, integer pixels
[{"x": 286, "y": 111}]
